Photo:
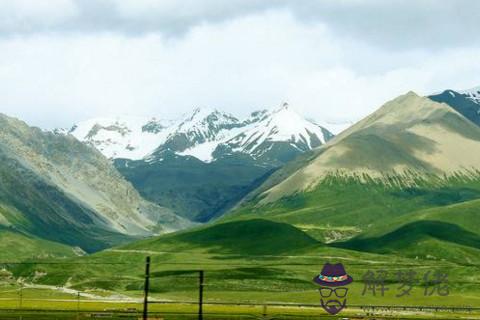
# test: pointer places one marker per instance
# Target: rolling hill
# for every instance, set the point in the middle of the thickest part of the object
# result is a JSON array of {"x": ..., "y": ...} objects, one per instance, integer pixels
[{"x": 248, "y": 237}]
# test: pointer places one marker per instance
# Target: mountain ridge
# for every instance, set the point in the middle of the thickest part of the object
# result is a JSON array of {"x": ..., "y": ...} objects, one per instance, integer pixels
[{"x": 206, "y": 134}]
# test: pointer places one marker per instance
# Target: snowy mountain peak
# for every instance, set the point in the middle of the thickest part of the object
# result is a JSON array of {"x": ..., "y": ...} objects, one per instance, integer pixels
[
  {"x": 204, "y": 133},
  {"x": 200, "y": 113},
  {"x": 207, "y": 117},
  {"x": 283, "y": 107},
  {"x": 282, "y": 125}
]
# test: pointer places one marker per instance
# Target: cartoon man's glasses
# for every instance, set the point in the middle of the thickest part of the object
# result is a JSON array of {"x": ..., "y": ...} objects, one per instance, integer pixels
[{"x": 339, "y": 292}]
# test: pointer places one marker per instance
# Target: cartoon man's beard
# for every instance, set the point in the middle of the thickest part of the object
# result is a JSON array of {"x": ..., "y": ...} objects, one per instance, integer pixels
[{"x": 333, "y": 306}]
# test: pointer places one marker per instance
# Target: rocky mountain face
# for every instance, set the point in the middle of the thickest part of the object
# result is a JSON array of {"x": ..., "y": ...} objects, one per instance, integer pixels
[
  {"x": 58, "y": 188},
  {"x": 200, "y": 166}
]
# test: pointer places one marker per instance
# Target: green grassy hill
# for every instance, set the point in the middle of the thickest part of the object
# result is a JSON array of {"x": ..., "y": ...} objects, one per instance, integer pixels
[
  {"x": 424, "y": 238},
  {"x": 245, "y": 237},
  {"x": 15, "y": 247},
  {"x": 254, "y": 261},
  {"x": 341, "y": 207}
]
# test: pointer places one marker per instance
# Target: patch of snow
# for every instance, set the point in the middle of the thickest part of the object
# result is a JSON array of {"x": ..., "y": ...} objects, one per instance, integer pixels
[
  {"x": 201, "y": 151},
  {"x": 473, "y": 94},
  {"x": 121, "y": 137}
]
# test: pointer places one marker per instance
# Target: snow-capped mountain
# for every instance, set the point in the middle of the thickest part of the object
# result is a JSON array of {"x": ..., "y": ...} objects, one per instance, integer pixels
[
  {"x": 472, "y": 94},
  {"x": 283, "y": 129},
  {"x": 124, "y": 136},
  {"x": 205, "y": 134},
  {"x": 199, "y": 134}
]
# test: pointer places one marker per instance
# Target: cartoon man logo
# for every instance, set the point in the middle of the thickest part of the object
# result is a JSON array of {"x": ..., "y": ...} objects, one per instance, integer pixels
[{"x": 333, "y": 280}]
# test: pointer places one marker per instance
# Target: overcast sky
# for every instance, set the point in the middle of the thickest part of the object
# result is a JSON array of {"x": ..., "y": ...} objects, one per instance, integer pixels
[{"x": 63, "y": 61}]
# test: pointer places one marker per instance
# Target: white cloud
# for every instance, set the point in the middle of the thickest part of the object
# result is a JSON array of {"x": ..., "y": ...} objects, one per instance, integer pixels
[{"x": 236, "y": 64}]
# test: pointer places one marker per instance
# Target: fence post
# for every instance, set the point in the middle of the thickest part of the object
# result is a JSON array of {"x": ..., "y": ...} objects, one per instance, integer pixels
[
  {"x": 20, "y": 294},
  {"x": 200, "y": 295},
  {"x": 78, "y": 305},
  {"x": 146, "y": 288}
]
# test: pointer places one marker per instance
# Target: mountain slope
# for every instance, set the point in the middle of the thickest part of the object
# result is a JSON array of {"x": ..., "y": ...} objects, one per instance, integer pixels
[
  {"x": 408, "y": 136},
  {"x": 60, "y": 189},
  {"x": 29, "y": 248},
  {"x": 197, "y": 190},
  {"x": 424, "y": 239},
  {"x": 447, "y": 232},
  {"x": 199, "y": 134},
  {"x": 278, "y": 138},
  {"x": 466, "y": 103}
]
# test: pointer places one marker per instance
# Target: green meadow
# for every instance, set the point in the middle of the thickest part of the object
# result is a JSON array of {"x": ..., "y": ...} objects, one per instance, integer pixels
[{"x": 268, "y": 255}]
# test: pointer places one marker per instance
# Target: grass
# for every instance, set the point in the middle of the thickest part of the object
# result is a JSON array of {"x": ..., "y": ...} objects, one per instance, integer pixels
[
  {"x": 235, "y": 278},
  {"x": 16, "y": 246},
  {"x": 269, "y": 254},
  {"x": 249, "y": 237},
  {"x": 258, "y": 279}
]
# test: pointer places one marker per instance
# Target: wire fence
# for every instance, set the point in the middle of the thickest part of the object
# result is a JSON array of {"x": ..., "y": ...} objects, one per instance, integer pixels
[{"x": 135, "y": 290}]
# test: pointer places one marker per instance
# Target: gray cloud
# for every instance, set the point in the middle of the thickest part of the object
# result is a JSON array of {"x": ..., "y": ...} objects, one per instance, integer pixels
[
  {"x": 397, "y": 23},
  {"x": 391, "y": 24},
  {"x": 131, "y": 17}
]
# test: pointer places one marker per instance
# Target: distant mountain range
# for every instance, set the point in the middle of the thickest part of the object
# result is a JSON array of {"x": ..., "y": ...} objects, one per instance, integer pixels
[
  {"x": 202, "y": 165},
  {"x": 413, "y": 154},
  {"x": 273, "y": 136}
]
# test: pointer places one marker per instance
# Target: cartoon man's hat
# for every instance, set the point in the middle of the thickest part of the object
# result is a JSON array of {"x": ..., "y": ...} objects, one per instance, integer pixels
[{"x": 333, "y": 275}]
